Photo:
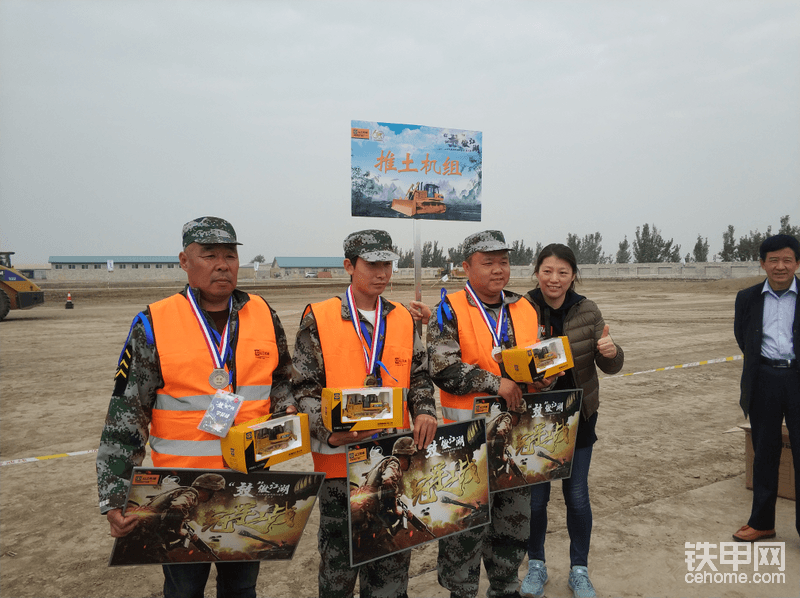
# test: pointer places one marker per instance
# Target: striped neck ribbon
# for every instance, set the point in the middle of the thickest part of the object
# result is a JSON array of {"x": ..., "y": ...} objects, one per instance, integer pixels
[
  {"x": 372, "y": 347},
  {"x": 218, "y": 345},
  {"x": 498, "y": 329}
]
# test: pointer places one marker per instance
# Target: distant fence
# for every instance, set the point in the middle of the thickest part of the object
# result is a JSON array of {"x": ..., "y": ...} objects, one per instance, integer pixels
[{"x": 690, "y": 271}]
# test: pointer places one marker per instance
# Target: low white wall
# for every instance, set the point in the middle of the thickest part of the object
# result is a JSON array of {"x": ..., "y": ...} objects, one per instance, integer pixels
[
  {"x": 693, "y": 270},
  {"x": 117, "y": 275}
]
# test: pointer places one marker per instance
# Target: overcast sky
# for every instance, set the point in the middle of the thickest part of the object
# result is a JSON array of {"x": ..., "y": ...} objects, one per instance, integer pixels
[{"x": 121, "y": 120}]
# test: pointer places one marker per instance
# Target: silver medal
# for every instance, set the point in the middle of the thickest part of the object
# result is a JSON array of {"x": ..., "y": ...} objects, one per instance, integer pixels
[
  {"x": 497, "y": 354},
  {"x": 219, "y": 379}
]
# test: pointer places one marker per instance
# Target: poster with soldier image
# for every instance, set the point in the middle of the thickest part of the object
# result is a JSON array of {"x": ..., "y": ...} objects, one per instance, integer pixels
[
  {"x": 415, "y": 171},
  {"x": 401, "y": 497},
  {"x": 534, "y": 445},
  {"x": 191, "y": 515}
]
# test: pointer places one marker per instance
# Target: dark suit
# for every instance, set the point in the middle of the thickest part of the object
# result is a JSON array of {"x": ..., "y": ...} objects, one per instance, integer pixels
[{"x": 768, "y": 395}]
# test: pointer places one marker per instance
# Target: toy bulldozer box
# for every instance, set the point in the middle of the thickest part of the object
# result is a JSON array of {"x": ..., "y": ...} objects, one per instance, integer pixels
[
  {"x": 265, "y": 441},
  {"x": 542, "y": 360},
  {"x": 368, "y": 408}
]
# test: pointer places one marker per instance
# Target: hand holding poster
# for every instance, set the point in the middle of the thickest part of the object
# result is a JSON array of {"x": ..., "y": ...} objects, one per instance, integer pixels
[
  {"x": 413, "y": 171},
  {"x": 401, "y": 497}
]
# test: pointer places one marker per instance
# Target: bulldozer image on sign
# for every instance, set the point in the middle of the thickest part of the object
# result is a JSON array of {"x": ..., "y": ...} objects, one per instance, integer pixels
[
  {"x": 274, "y": 438},
  {"x": 364, "y": 405},
  {"x": 16, "y": 290},
  {"x": 420, "y": 199}
]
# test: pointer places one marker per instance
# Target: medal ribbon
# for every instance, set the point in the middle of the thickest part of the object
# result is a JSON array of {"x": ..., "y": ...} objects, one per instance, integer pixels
[
  {"x": 218, "y": 346},
  {"x": 498, "y": 329},
  {"x": 443, "y": 311},
  {"x": 371, "y": 349}
]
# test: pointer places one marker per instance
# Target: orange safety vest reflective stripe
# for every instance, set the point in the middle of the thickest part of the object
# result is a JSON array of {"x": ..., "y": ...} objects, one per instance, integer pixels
[
  {"x": 345, "y": 367},
  {"x": 476, "y": 347},
  {"x": 186, "y": 365}
]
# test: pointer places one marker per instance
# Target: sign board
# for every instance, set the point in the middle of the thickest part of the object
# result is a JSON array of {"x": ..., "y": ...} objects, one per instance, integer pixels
[{"x": 415, "y": 171}]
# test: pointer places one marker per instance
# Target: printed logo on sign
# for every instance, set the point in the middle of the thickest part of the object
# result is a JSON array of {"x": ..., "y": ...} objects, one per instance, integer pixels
[
  {"x": 145, "y": 479},
  {"x": 481, "y": 408},
  {"x": 377, "y": 135},
  {"x": 359, "y": 133},
  {"x": 357, "y": 455},
  {"x": 767, "y": 560},
  {"x": 261, "y": 354}
]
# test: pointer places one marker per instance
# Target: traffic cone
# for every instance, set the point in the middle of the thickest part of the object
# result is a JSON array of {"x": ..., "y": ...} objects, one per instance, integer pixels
[{"x": 69, "y": 304}]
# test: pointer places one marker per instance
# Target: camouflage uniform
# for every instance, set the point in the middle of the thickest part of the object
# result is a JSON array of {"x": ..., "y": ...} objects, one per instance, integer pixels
[
  {"x": 385, "y": 577},
  {"x": 502, "y": 543},
  {"x": 126, "y": 431}
]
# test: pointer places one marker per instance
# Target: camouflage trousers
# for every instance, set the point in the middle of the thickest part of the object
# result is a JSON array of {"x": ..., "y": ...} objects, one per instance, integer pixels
[
  {"x": 502, "y": 544},
  {"x": 384, "y": 578}
]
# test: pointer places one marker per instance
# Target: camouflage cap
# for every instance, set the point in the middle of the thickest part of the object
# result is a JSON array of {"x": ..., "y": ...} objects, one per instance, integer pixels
[
  {"x": 209, "y": 230},
  {"x": 370, "y": 245},
  {"x": 485, "y": 241}
]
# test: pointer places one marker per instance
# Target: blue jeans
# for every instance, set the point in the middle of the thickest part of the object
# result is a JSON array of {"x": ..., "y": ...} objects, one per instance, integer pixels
[
  {"x": 234, "y": 580},
  {"x": 579, "y": 511}
]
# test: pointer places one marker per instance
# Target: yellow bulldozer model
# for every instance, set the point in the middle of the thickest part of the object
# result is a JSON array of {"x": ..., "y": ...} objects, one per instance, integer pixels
[
  {"x": 273, "y": 438},
  {"x": 16, "y": 290},
  {"x": 420, "y": 199},
  {"x": 368, "y": 405}
]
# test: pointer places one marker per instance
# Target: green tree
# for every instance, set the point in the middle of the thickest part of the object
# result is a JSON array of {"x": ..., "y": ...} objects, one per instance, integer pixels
[
  {"x": 624, "y": 252},
  {"x": 432, "y": 255},
  {"x": 650, "y": 247},
  {"x": 747, "y": 249},
  {"x": 788, "y": 229},
  {"x": 406, "y": 258},
  {"x": 456, "y": 255},
  {"x": 728, "y": 253},
  {"x": 700, "y": 252},
  {"x": 259, "y": 258},
  {"x": 587, "y": 250},
  {"x": 520, "y": 255}
]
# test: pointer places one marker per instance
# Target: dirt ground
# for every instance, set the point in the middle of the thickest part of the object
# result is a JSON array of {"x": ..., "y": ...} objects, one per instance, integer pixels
[{"x": 668, "y": 468}]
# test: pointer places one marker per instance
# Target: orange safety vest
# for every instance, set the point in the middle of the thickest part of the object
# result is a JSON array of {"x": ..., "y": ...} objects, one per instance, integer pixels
[
  {"x": 344, "y": 365},
  {"x": 476, "y": 347},
  {"x": 186, "y": 365}
]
